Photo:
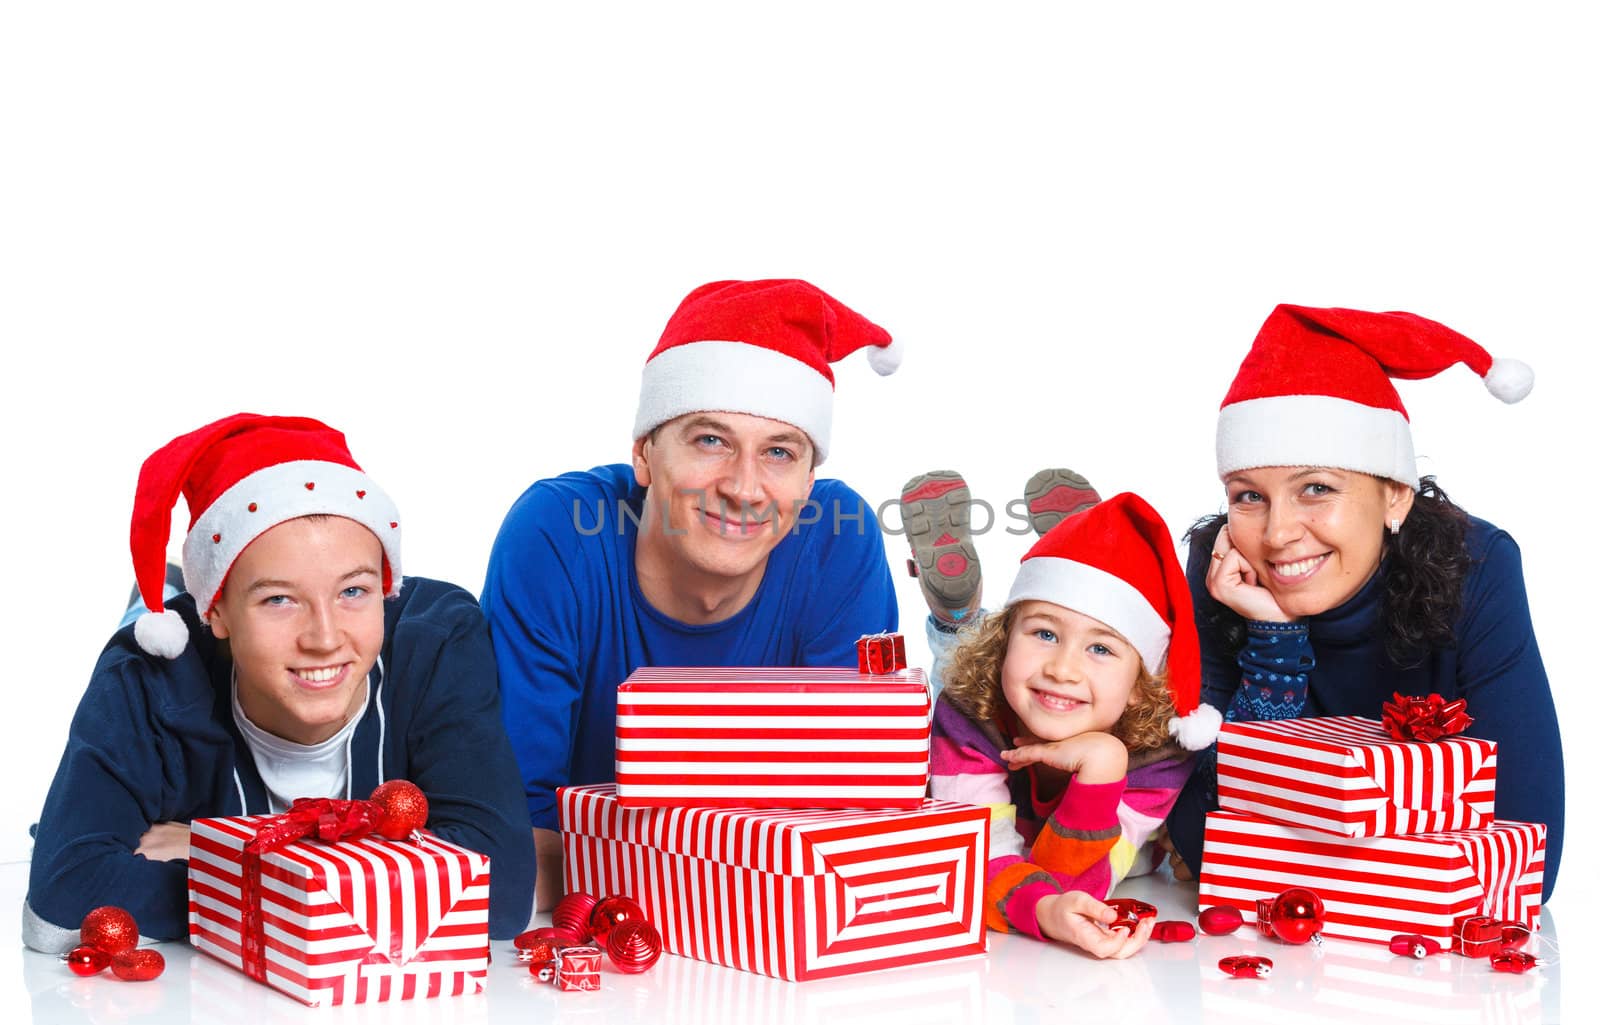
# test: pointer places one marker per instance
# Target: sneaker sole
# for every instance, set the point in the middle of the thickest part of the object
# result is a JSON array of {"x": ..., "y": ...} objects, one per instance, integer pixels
[
  {"x": 936, "y": 509},
  {"x": 1054, "y": 494}
]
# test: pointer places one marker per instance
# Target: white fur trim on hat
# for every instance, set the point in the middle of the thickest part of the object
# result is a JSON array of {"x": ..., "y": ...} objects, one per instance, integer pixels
[
  {"x": 1197, "y": 730},
  {"x": 885, "y": 359},
  {"x": 161, "y": 633},
  {"x": 1315, "y": 430},
  {"x": 280, "y": 493},
  {"x": 1509, "y": 380},
  {"x": 1098, "y": 595},
  {"x": 734, "y": 377}
]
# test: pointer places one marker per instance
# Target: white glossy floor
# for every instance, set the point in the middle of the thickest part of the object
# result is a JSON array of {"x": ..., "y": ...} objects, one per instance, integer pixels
[{"x": 1020, "y": 981}]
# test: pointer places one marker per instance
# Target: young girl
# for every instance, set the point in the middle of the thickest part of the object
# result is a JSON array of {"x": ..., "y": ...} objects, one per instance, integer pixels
[{"x": 1060, "y": 713}]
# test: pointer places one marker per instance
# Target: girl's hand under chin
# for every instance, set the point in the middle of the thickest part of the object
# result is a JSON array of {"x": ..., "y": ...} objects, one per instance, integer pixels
[
  {"x": 1091, "y": 757},
  {"x": 1233, "y": 582},
  {"x": 1078, "y": 919}
]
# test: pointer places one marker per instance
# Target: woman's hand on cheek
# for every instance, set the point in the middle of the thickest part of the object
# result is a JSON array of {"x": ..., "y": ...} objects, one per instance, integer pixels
[
  {"x": 1078, "y": 919},
  {"x": 1091, "y": 757},
  {"x": 1233, "y": 582}
]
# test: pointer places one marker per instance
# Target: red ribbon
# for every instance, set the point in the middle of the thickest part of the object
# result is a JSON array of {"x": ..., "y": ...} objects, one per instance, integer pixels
[
  {"x": 1426, "y": 719},
  {"x": 320, "y": 818}
]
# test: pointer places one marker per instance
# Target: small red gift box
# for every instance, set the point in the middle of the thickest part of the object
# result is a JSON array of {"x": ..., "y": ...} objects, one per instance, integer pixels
[
  {"x": 881, "y": 653},
  {"x": 786, "y": 893},
  {"x": 772, "y": 738},
  {"x": 578, "y": 968},
  {"x": 1346, "y": 775},
  {"x": 341, "y": 923},
  {"x": 1375, "y": 887}
]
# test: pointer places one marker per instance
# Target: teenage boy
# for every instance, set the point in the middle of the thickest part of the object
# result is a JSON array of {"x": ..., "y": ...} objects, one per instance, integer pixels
[
  {"x": 717, "y": 546},
  {"x": 299, "y": 664}
]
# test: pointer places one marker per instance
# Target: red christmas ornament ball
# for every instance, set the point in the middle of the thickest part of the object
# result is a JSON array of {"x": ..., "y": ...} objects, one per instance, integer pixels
[
  {"x": 1294, "y": 916},
  {"x": 1220, "y": 920},
  {"x": 572, "y": 912},
  {"x": 634, "y": 945},
  {"x": 138, "y": 965},
  {"x": 110, "y": 929},
  {"x": 402, "y": 809},
  {"x": 1173, "y": 932},
  {"x": 86, "y": 960},
  {"x": 610, "y": 913}
]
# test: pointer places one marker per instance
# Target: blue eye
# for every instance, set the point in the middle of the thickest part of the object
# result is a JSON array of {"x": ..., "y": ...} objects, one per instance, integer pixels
[
  {"x": 1317, "y": 490},
  {"x": 1101, "y": 649},
  {"x": 276, "y": 600},
  {"x": 780, "y": 454},
  {"x": 1048, "y": 636},
  {"x": 353, "y": 591},
  {"x": 708, "y": 441}
]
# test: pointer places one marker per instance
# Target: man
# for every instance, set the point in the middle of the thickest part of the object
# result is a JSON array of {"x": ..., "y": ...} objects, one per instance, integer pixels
[
  {"x": 297, "y": 665},
  {"x": 717, "y": 546}
]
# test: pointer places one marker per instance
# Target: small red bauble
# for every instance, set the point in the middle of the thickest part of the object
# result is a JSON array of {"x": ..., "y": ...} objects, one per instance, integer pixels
[
  {"x": 138, "y": 965},
  {"x": 86, "y": 960},
  {"x": 1517, "y": 961},
  {"x": 535, "y": 950},
  {"x": 1130, "y": 913},
  {"x": 634, "y": 945},
  {"x": 611, "y": 912},
  {"x": 1220, "y": 920},
  {"x": 1412, "y": 945},
  {"x": 110, "y": 929},
  {"x": 572, "y": 912},
  {"x": 1243, "y": 966},
  {"x": 1294, "y": 916},
  {"x": 560, "y": 937},
  {"x": 402, "y": 809},
  {"x": 1173, "y": 932}
]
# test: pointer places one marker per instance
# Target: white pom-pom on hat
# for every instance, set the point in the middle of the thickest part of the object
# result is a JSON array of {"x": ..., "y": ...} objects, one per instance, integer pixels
[
  {"x": 1197, "y": 730},
  {"x": 161, "y": 633},
  {"x": 1509, "y": 380},
  {"x": 885, "y": 359}
]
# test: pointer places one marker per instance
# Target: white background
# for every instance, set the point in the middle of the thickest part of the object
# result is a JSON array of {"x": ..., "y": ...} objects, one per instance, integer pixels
[{"x": 455, "y": 231}]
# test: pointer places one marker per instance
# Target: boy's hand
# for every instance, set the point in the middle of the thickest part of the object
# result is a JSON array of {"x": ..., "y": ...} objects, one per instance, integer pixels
[
  {"x": 1091, "y": 757},
  {"x": 165, "y": 841},
  {"x": 1234, "y": 582},
  {"x": 1080, "y": 920}
]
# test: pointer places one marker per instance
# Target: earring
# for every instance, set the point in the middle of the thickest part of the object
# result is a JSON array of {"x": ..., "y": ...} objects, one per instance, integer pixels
[{"x": 1394, "y": 526}]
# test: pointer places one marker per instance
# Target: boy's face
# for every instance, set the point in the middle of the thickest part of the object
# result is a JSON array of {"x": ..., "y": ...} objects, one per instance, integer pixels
[
  {"x": 1065, "y": 673},
  {"x": 730, "y": 484},
  {"x": 302, "y": 611}
]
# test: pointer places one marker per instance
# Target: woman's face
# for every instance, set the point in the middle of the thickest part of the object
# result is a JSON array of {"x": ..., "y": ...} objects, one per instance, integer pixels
[{"x": 1313, "y": 535}]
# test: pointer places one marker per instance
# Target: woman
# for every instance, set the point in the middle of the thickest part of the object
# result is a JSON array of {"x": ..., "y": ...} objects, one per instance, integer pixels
[{"x": 1338, "y": 577}]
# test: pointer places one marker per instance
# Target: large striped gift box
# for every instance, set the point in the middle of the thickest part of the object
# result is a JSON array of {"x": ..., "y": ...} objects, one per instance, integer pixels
[
  {"x": 1375, "y": 887},
  {"x": 1345, "y": 775},
  {"x": 341, "y": 923},
  {"x": 788, "y": 893},
  {"x": 772, "y": 738}
]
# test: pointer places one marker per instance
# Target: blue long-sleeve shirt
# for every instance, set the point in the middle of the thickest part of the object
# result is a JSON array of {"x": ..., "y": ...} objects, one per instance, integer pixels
[
  {"x": 154, "y": 740},
  {"x": 569, "y": 621},
  {"x": 1494, "y": 664}
]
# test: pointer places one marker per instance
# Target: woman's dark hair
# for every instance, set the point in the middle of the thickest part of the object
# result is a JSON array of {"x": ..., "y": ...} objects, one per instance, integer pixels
[{"x": 1424, "y": 567}]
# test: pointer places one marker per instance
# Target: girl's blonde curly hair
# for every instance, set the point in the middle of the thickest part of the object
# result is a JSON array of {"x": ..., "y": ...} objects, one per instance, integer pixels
[{"x": 972, "y": 682}]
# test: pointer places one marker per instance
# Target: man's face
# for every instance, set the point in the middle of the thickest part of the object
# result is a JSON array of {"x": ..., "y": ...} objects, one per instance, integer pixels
[
  {"x": 722, "y": 489},
  {"x": 302, "y": 611}
]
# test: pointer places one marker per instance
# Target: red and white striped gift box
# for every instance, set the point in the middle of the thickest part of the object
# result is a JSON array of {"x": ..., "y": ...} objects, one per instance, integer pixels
[
  {"x": 346, "y": 922},
  {"x": 772, "y": 738},
  {"x": 1346, "y": 775},
  {"x": 788, "y": 893},
  {"x": 1374, "y": 887}
]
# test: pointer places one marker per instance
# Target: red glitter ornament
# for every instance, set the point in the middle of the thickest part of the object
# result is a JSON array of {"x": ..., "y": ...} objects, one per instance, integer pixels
[
  {"x": 1294, "y": 916},
  {"x": 634, "y": 945},
  {"x": 572, "y": 912},
  {"x": 402, "y": 809},
  {"x": 86, "y": 960},
  {"x": 138, "y": 965},
  {"x": 1130, "y": 913},
  {"x": 110, "y": 929},
  {"x": 1243, "y": 966},
  {"x": 1516, "y": 961},
  {"x": 610, "y": 913},
  {"x": 1173, "y": 932},
  {"x": 535, "y": 950},
  {"x": 1220, "y": 920},
  {"x": 1411, "y": 945}
]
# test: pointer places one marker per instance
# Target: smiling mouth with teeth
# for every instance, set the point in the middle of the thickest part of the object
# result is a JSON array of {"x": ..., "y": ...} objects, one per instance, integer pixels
[
  {"x": 1298, "y": 568},
  {"x": 322, "y": 674}
]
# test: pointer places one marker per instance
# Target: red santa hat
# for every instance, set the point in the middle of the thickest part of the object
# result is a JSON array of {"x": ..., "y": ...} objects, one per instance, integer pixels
[
  {"x": 1116, "y": 563},
  {"x": 757, "y": 347},
  {"x": 242, "y": 476},
  {"x": 1315, "y": 390}
]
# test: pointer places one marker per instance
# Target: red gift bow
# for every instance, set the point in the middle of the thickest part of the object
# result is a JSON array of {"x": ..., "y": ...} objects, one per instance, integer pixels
[
  {"x": 322, "y": 818},
  {"x": 881, "y": 654},
  {"x": 1425, "y": 719}
]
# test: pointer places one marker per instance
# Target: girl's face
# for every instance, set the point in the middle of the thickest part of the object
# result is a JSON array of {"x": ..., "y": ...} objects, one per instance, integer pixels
[
  {"x": 1313, "y": 535},
  {"x": 1065, "y": 673}
]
